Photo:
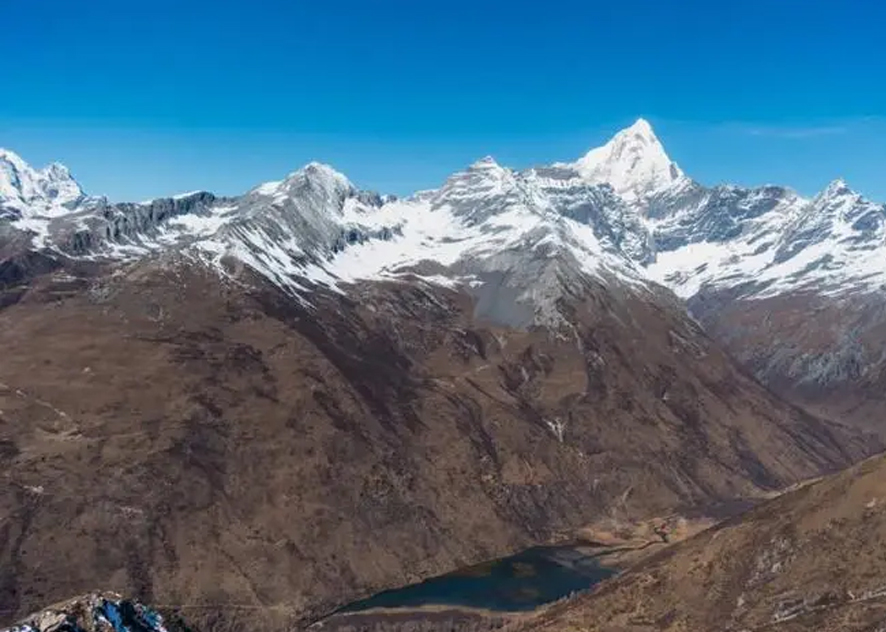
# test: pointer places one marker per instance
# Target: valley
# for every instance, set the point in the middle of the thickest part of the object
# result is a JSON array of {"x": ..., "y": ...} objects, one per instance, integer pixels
[
  {"x": 809, "y": 560},
  {"x": 266, "y": 407},
  {"x": 501, "y": 592}
]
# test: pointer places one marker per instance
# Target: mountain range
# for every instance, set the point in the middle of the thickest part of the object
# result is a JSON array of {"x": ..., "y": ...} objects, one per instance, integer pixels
[
  {"x": 309, "y": 392},
  {"x": 624, "y": 211}
]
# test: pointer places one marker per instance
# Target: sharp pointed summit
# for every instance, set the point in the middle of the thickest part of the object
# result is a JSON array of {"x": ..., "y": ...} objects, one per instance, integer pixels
[
  {"x": 634, "y": 163},
  {"x": 836, "y": 188},
  {"x": 45, "y": 191},
  {"x": 642, "y": 127},
  {"x": 310, "y": 334}
]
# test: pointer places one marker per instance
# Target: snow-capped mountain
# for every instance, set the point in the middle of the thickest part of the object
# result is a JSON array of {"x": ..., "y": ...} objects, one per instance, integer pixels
[
  {"x": 491, "y": 361},
  {"x": 623, "y": 211},
  {"x": 770, "y": 241},
  {"x": 28, "y": 192},
  {"x": 636, "y": 165},
  {"x": 531, "y": 234}
]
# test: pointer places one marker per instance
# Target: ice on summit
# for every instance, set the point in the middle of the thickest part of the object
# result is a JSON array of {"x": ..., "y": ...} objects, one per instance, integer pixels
[
  {"x": 33, "y": 192},
  {"x": 634, "y": 163},
  {"x": 317, "y": 175}
]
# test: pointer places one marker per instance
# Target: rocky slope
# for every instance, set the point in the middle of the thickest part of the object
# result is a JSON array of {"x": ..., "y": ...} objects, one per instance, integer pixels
[
  {"x": 808, "y": 560},
  {"x": 193, "y": 442},
  {"x": 95, "y": 612},
  {"x": 487, "y": 229},
  {"x": 624, "y": 211},
  {"x": 285, "y": 400},
  {"x": 753, "y": 263},
  {"x": 793, "y": 288}
]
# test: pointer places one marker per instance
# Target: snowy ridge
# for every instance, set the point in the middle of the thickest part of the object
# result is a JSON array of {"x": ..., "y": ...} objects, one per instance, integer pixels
[
  {"x": 486, "y": 220},
  {"x": 476, "y": 216},
  {"x": 26, "y": 192},
  {"x": 833, "y": 244},
  {"x": 623, "y": 213}
]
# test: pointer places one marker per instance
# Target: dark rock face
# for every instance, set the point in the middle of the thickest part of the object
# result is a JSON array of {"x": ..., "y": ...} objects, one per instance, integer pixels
[
  {"x": 823, "y": 353},
  {"x": 127, "y": 223},
  {"x": 127, "y": 220},
  {"x": 189, "y": 441},
  {"x": 719, "y": 214},
  {"x": 17, "y": 271}
]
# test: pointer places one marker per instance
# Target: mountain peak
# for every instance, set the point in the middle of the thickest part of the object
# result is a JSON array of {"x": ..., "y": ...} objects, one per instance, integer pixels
[
  {"x": 486, "y": 162},
  {"x": 836, "y": 188},
  {"x": 634, "y": 162},
  {"x": 44, "y": 191},
  {"x": 314, "y": 173},
  {"x": 11, "y": 167},
  {"x": 10, "y": 156},
  {"x": 642, "y": 127},
  {"x": 57, "y": 171},
  {"x": 321, "y": 170}
]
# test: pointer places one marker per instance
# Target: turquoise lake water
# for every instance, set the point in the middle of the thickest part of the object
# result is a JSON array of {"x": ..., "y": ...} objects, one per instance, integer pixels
[{"x": 517, "y": 583}]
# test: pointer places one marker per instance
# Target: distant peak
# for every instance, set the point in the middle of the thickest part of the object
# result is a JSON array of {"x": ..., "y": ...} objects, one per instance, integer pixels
[
  {"x": 319, "y": 166},
  {"x": 57, "y": 171},
  {"x": 321, "y": 172},
  {"x": 634, "y": 162},
  {"x": 13, "y": 158},
  {"x": 640, "y": 127},
  {"x": 837, "y": 187},
  {"x": 487, "y": 162},
  {"x": 314, "y": 173},
  {"x": 7, "y": 152},
  {"x": 54, "y": 170},
  {"x": 46, "y": 191},
  {"x": 640, "y": 133}
]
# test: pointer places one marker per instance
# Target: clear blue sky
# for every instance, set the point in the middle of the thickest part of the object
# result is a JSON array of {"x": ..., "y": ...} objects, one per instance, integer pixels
[{"x": 142, "y": 99}]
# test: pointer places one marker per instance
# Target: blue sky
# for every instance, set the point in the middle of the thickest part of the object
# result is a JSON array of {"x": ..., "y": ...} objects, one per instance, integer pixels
[{"x": 142, "y": 99}]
